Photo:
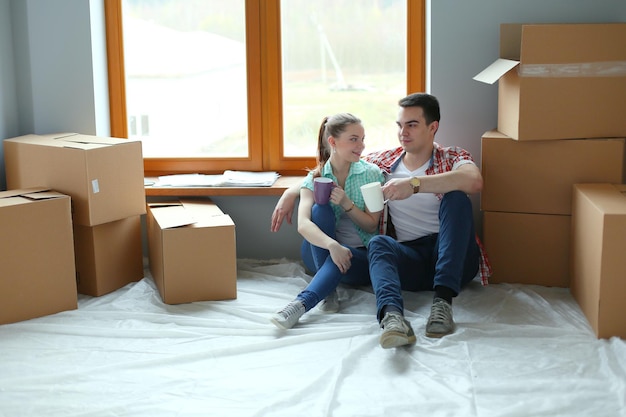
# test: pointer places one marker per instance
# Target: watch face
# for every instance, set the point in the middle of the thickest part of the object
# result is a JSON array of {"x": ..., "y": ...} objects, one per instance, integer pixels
[{"x": 415, "y": 182}]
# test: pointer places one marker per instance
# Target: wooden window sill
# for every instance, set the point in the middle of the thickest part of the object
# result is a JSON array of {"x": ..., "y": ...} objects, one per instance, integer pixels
[{"x": 281, "y": 184}]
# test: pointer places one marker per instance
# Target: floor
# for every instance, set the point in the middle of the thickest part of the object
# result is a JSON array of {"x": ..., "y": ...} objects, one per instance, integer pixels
[{"x": 518, "y": 351}]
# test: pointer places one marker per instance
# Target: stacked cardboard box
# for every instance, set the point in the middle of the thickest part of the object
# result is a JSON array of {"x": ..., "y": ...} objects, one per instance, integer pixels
[
  {"x": 598, "y": 261},
  {"x": 192, "y": 251},
  {"x": 561, "y": 95},
  {"x": 104, "y": 178},
  {"x": 37, "y": 274}
]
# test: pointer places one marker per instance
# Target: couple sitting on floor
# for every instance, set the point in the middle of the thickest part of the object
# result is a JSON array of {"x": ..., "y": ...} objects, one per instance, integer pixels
[{"x": 431, "y": 243}]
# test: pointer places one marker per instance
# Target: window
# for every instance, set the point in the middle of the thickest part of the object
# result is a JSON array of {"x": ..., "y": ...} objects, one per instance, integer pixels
[{"x": 211, "y": 85}]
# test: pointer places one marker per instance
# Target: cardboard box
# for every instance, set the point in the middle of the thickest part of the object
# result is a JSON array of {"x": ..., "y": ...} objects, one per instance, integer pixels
[
  {"x": 192, "y": 251},
  {"x": 537, "y": 177},
  {"x": 598, "y": 261},
  {"x": 37, "y": 275},
  {"x": 108, "y": 256},
  {"x": 528, "y": 248},
  {"x": 560, "y": 81},
  {"x": 104, "y": 176}
]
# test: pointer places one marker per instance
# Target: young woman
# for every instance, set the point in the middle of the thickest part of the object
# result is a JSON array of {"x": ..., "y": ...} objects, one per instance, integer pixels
[{"x": 335, "y": 234}]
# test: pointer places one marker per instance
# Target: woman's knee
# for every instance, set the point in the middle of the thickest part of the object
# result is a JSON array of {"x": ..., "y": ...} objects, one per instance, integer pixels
[{"x": 324, "y": 217}]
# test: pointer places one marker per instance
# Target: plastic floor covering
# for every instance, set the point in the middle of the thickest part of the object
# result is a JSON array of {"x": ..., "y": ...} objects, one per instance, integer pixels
[{"x": 518, "y": 351}]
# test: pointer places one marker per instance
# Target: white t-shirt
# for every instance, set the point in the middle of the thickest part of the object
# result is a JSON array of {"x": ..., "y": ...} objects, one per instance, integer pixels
[{"x": 418, "y": 215}]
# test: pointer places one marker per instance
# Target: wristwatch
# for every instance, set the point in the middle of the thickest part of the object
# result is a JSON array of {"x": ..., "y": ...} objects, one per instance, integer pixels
[{"x": 415, "y": 183}]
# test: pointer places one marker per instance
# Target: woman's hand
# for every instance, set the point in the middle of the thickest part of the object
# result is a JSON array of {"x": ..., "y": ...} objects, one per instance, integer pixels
[
  {"x": 338, "y": 196},
  {"x": 283, "y": 211},
  {"x": 341, "y": 256}
]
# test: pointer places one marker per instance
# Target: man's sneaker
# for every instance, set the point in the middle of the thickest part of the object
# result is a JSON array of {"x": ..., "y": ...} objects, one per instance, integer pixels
[
  {"x": 396, "y": 331},
  {"x": 440, "y": 322},
  {"x": 330, "y": 304},
  {"x": 288, "y": 316}
]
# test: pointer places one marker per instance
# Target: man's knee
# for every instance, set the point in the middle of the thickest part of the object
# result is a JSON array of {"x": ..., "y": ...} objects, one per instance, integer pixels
[
  {"x": 380, "y": 243},
  {"x": 456, "y": 201}
]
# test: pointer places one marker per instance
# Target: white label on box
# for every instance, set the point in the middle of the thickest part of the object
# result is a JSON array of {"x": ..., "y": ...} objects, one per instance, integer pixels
[{"x": 95, "y": 187}]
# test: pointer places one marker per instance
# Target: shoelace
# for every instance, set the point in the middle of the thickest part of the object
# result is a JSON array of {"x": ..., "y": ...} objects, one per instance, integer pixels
[
  {"x": 440, "y": 312},
  {"x": 393, "y": 320},
  {"x": 290, "y": 309}
]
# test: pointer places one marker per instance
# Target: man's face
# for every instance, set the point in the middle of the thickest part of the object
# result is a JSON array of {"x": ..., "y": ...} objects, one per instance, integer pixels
[{"x": 413, "y": 132}]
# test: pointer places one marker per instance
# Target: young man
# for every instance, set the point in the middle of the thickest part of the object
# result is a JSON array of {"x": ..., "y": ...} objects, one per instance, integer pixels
[{"x": 432, "y": 245}]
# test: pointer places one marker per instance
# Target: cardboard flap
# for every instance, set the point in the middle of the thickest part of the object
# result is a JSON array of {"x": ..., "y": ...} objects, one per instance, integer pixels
[
  {"x": 43, "y": 195},
  {"x": 89, "y": 142},
  {"x": 172, "y": 215},
  {"x": 510, "y": 41},
  {"x": 497, "y": 69},
  {"x": 29, "y": 191}
]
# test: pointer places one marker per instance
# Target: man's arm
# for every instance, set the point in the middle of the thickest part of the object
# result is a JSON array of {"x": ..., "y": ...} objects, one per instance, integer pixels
[
  {"x": 285, "y": 207},
  {"x": 466, "y": 178}
]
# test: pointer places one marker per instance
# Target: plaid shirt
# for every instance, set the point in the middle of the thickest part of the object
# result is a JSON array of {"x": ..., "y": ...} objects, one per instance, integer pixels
[{"x": 443, "y": 160}]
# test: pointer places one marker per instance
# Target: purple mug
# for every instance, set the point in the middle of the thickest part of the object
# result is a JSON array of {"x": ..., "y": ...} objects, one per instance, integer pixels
[{"x": 322, "y": 188}]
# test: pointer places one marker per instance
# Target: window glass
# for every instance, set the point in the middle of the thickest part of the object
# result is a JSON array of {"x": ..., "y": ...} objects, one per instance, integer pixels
[
  {"x": 185, "y": 65},
  {"x": 342, "y": 56}
]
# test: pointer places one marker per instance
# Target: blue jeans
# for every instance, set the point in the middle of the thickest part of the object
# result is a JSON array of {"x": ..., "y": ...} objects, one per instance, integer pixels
[
  {"x": 317, "y": 260},
  {"x": 449, "y": 258}
]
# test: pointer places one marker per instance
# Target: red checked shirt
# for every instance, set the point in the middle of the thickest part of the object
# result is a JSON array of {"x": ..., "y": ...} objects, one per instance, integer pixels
[{"x": 443, "y": 160}]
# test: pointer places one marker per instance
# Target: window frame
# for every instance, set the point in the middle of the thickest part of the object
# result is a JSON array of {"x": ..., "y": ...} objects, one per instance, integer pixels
[{"x": 264, "y": 78}]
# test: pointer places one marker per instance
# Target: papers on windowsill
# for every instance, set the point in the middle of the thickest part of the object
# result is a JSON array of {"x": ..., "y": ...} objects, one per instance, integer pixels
[{"x": 227, "y": 179}]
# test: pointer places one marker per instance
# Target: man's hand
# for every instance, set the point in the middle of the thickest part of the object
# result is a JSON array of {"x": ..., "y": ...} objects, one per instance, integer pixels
[{"x": 397, "y": 189}]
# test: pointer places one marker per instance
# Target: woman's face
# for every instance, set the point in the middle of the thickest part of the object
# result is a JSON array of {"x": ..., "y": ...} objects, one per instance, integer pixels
[{"x": 349, "y": 145}]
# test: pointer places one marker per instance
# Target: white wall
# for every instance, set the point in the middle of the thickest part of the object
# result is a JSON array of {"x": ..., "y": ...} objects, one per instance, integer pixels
[{"x": 53, "y": 78}]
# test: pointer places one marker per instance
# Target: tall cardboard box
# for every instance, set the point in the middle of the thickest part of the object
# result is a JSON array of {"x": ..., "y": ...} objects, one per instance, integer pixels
[
  {"x": 192, "y": 251},
  {"x": 558, "y": 81},
  {"x": 108, "y": 256},
  {"x": 104, "y": 176},
  {"x": 37, "y": 275},
  {"x": 528, "y": 248},
  {"x": 537, "y": 177},
  {"x": 598, "y": 258}
]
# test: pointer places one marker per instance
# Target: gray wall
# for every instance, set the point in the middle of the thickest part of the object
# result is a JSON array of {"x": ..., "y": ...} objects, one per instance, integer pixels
[{"x": 53, "y": 79}]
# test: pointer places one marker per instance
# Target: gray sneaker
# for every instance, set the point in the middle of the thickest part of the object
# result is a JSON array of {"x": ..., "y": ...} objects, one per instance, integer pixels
[
  {"x": 330, "y": 304},
  {"x": 440, "y": 322},
  {"x": 397, "y": 331},
  {"x": 288, "y": 316}
]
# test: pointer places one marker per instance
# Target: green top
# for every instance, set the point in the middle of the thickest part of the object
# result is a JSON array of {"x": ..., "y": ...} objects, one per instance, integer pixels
[{"x": 360, "y": 173}]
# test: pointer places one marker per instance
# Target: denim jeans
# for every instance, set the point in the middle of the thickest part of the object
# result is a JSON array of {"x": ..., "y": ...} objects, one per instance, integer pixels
[
  {"x": 449, "y": 258},
  {"x": 317, "y": 260}
]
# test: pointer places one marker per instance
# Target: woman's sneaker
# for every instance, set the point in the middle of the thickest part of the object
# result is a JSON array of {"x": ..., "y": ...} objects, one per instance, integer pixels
[
  {"x": 288, "y": 316},
  {"x": 330, "y": 304}
]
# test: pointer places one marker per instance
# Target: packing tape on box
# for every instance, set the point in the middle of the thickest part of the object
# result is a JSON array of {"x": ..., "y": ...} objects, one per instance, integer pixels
[{"x": 584, "y": 69}]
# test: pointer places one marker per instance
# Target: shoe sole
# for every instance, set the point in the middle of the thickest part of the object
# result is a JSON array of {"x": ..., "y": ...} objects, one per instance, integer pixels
[
  {"x": 396, "y": 339},
  {"x": 438, "y": 335},
  {"x": 279, "y": 325}
]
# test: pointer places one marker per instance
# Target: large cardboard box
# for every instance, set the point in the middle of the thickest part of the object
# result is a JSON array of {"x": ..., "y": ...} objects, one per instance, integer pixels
[
  {"x": 598, "y": 258},
  {"x": 537, "y": 177},
  {"x": 37, "y": 275},
  {"x": 528, "y": 248},
  {"x": 560, "y": 81},
  {"x": 108, "y": 256},
  {"x": 104, "y": 176},
  {"x": 192, "y": 251}
]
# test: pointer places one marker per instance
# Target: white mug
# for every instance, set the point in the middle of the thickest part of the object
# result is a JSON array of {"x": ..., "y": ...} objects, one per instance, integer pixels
[{"x": 373, "y": 196}]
